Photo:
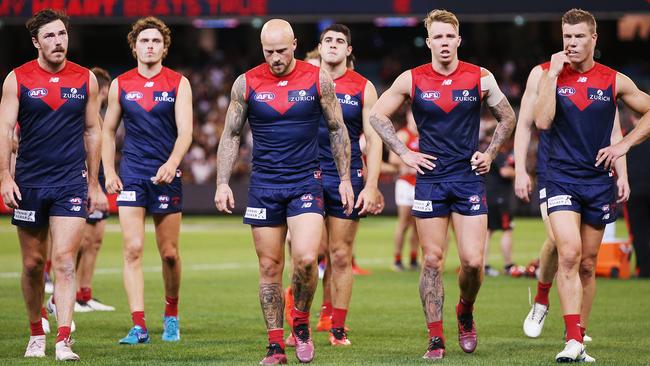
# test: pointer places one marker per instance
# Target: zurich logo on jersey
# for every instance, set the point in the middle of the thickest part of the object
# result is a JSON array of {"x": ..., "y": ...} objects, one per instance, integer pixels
[
  {"x": 347, "y": 99},
  {"x": 134, "y": 95},
  {"x": 463, "y": 95},
  {"x": 300, "y": 96},
  {"x": 37, "y": 93},
  {"x": 163, "y": 97},
  {"x": 565, "y": 91},
  {"x": 598, "y": 94},
  {"x": 264, "y": 96},
  {"x": 430, "y": 95},
  {"x": 72, "y": 93}
]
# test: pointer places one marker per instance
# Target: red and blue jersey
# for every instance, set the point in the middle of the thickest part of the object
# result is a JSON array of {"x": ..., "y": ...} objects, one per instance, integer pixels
[
  {"x": 52, "y": 119},
  {"x": 349, "y": 91},
  {"x": 584, "y": 118},
  {"x": 284, "y": 113},
  {"x": 148, "y": 110},
  {"x": 447, "y": 112}
]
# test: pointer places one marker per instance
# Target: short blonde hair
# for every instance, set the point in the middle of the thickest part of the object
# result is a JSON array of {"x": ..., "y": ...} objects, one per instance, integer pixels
[
  {"x": 443, "y": 16},
  {"x": 577, "y": 16},
  {"x": 313, "y": 55}
]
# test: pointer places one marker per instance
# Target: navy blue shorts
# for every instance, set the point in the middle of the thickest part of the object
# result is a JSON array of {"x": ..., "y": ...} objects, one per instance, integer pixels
[
  {"x": 596, "y": 203},
  {"x": 272, "y": 206},
  {"x": 332, "y": 197},
  {"x": 155, "y": 198},
  {"x": 541, "y": 188},
  {"x": 38, "y": 204},
  {"x": 440, "y": 199}
]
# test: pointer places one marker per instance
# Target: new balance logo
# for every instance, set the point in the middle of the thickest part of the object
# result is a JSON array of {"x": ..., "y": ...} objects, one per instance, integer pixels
[
  {"x": 54, "y": 80},
  {"x": 582, "y": 79},
  {"x": 148, "y": 84},
  {"x": 283, "y": 83},
  {"x": 446, "y": 82}
]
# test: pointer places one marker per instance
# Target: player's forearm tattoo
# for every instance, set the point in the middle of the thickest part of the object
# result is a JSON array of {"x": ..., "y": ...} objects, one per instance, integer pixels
[
  {"x": 506, "y": 124},
  {"x": 304, "y": 281},
  {"x": 386, "y": 131},
  {"x": 338, "y": 133},
  {"x": 432, "y": 294},
  {"x": 272, "y": 304},
  {"x": 235, "y": 119}
]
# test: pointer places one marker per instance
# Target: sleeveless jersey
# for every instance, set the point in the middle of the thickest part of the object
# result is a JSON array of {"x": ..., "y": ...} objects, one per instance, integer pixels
[
  {"x": 284, "y": 113},
  {"x": 543, "y": 144},
  {"x": 413, "y": 144},
  {"x": 584, "y": 118},
  {"x": 148, "y": 111},
  {"x": 349, "y": 91},
  {"x": 447, "y": 112},
  {"x": 52, "y": 118}
]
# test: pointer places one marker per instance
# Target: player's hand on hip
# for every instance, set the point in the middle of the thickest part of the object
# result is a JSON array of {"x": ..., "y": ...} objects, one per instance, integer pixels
[
  {"x": 481, "y": 163},
  {"x": 368, "y": 200},
  {"x": 113, "y": 184},
  {"x": 523, "y": 187},
  {"x": 623, "y": 189},
  {"x": 558, "y": 60},
  {"x": 608, "y": 155},
  {"x": 347, "y": 196},
  {"x": 165, "y": 175},
  {"x": 10, "y": 192},
  {"x": 418, "y": 160},
  {"x": 223, "y": 199}
]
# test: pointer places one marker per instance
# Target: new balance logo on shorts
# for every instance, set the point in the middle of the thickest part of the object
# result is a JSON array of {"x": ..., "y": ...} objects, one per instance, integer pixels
[
  {"x": 561, "y": 200},
  {"x": 25, "y": 215},
  {"x": 255, "y": 213},
  {"x": 126, "y": 196},
  {"x": 422, "y": 206}
]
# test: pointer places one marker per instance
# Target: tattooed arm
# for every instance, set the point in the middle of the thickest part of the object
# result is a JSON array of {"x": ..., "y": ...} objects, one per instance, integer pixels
[
  {"x": 389, "y": 102},
  {"x": 339, "y": 138},
  {"x": 229, "y": 144},
  {"x": 505, "y": 116}
]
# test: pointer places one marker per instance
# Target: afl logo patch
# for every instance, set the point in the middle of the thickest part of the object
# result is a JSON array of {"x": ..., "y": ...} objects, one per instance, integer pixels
[
  {"x": 430, "y": 95},
  {"x": 37, "y": 93},
  {"x": 134, "y": 95},
  {"x": 565, "y": 91},
  {"x": 264, "y": 96}
]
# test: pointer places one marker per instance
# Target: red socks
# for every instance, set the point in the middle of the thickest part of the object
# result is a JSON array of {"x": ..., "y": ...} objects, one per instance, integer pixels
[
  {"x": 63, "y": 334},
  {"x": 48, "y": 266},
  {"x": 572, "y": 324},
  {"x": 43, "y": 312},
  {"x": 36, "y": 328},
  {"x": 326, "y": 310},
  {"x": 171, "y": 306},
  {"x": 84, "y": 294},
  {"x": 435, "y": 330},
  {"x": 299, "y": 317},
  {"x": 276, "y": 336},
  {"x": 464, "y": 306},
  {"x": 138, "y": 319},
  {"x": 338, "y": 317},
  {"x": 414, "y": 257},
  {"x": 583, "y": 331},
  {"x": 398, "y": 258},
  {"x": 542, "y": 293}
]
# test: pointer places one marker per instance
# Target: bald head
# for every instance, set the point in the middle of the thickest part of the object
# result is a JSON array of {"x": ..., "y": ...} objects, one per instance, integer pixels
[{"x": 278, "y": 45}]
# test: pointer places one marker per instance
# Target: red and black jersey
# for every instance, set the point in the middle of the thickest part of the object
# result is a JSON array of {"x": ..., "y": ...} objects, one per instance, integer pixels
[
  {"x": 413, "y": 143},
  {"x": 584, "y": 117},
  {"x": 447, "y": 112},
  {"x": 52, "y": 118},
  {"x": 284, "y": 113}
]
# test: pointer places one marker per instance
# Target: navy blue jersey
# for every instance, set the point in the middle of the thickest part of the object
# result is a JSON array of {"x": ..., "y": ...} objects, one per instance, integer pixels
[
  {"x": 584, "y": 118},
  {"x": 52, "y": 118},
  {"x": 148, "y": 111},
  {"x": 284, "y": 113},
  {"x": 447, "y": 112},
  {"x": 349, "y": 91}
]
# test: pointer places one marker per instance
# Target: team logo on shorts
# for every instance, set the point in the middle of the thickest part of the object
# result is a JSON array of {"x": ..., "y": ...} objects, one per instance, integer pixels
[
  {"x": 318, "y": 174},
  {"x": 133, "y": 96},
  {"x": 179, "y": 173},
  {"x": 24, "y": 215},
  {"x": 605, "y": 208},
  {"x": 264, "y": 96},
  {"x": 474, "y": 199},
  {"x": 126, "y": 196},
  {"x": 565, "y": 91},
  {"x": 76, "y": 201},
  {"x": 359, "y": 173},
  {"x": 561, "y": 200},
  {"x": 163, "y": 198},
  {"x": 255, "y": 213},
  {"x": 37, "y": 93},
  {"x": 430, "y": 95},
  {"x": 422, "y": 206},
  {"x": 307, "y": 197}
]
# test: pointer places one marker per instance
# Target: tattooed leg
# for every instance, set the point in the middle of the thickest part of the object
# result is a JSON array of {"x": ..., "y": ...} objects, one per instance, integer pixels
[
  {"x": 432, "y": 293},
  {"x": 304, "y": 282},
  {"x": 433, "y": 238},
  {"x": 272, "y": 304},
  {"x": 306, "y": 231},
  {"x": 269, "y": 245}
]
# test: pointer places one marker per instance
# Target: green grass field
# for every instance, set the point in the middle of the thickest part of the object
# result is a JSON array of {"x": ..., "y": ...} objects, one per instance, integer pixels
[{"x": 221, "y": 321}]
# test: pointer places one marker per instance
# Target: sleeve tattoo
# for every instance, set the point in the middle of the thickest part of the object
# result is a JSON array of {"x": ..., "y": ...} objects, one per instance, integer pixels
[
  {"x": 386, "y": 131},
  {"x": 339, "y": 139},
  {"x": 230, "y": 139},
  {"x": 506, "y": 124}
]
